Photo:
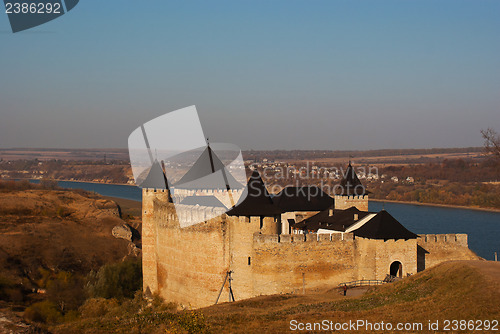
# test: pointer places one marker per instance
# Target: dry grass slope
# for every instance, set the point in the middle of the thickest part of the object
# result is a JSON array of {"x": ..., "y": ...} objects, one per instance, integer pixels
[{"x": 467, "y": 290}]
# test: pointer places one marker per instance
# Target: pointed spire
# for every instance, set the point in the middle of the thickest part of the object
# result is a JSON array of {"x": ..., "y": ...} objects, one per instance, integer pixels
[
  {"x": 350, "y": 184},
  {"x": 156, "y": 177},
  {"x": 201, "y": 174}
]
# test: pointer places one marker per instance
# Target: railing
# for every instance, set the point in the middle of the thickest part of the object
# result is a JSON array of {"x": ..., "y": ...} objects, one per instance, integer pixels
[{"x": 363, "y": 282}]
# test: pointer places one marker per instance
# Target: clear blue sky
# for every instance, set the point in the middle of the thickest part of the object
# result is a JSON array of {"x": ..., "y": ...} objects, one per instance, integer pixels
[{"x": 281, "y": 74}]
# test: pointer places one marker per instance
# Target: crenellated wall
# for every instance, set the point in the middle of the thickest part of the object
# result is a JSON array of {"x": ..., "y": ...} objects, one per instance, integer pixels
[
  {"x": 222, "y": 195},
  {"x": 284, "y": 262},
  {"x": 436, "y": 248},
  {"x": 345, "y": 202},
  {"x": 188, "y": 265}
]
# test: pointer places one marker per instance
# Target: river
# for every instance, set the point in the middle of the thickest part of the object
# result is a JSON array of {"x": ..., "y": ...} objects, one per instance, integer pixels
[{"x": 482, "y": 227}]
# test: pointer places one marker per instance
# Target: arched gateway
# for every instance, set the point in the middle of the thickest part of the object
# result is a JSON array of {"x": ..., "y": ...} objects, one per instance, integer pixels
[{"x": 396, "y": 269}]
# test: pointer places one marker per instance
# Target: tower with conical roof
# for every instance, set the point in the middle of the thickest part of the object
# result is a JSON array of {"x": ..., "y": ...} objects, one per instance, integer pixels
[
  {"x": 351, "y": 192},
  {"x": 208, "y": 176}
]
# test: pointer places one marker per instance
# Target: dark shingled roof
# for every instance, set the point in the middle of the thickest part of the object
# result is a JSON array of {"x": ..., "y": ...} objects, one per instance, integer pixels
[
  {"x": 211, "y": 201},
  {"x": 306, "y": 198},
  {"x": 201, "y": 174},
  {"x": 339, "y": 221},
  {"x": 258, "y": 202},
  {"x": 350, "y": 184},
  {"x": 384, "y": 226}
]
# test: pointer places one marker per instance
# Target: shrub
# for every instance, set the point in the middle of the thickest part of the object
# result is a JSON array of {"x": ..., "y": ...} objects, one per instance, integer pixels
[
  {"x": 118, "y": 280},
  {"x": 66, "y": 290},
  {"x": 98, "y": 307},
  {"x": 46, "y": 312},
  {"x": 10, "y": 291}
]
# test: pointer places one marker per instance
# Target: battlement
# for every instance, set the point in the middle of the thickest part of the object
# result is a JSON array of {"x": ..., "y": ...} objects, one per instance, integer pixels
[
  {"x": 154, "y": 190},
  {"x": 458, "y": 239},
  {"x": 204, "y": 192},
  {"x": 343, "y": 202},
  {"x": 302, "y": 238},
  {"x": 352, "y": 196},
  {"x": 193, "y": 214}
]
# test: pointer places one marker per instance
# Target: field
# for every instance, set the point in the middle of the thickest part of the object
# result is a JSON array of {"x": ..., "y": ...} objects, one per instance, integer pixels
[{"x": 63, "y": 154}]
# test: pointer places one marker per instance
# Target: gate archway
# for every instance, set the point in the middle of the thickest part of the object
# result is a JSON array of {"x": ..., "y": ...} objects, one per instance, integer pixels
[{"x": 396, "y": 269}]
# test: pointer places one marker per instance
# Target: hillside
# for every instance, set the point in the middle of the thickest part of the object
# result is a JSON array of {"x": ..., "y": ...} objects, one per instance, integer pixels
[
  {"x": 468, "y": 290},
  {"x": 56, "y": 229},
  {"x": 50, "y": 239}
]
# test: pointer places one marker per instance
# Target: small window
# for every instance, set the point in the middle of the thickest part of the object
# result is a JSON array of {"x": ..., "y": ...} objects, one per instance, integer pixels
[{"x": 249, "y": 260}]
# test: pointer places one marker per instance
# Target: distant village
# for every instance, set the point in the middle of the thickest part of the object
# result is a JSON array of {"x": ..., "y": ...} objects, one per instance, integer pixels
[{"x": 38, "y": 170}]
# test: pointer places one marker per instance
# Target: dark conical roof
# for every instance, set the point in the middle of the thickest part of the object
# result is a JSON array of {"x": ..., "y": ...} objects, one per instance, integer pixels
[
  {"x": 201, "y": 174},
  {"x": 156, "y": 178},
  {"x": 258, "y": 202},
  {"x": 350, "y": 184},
  {"x": 384, "y": 226},
  {"x": 306, "y": 198}
]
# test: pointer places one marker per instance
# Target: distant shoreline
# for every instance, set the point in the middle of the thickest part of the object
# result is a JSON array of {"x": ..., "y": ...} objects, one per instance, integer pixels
[
  {"x": 93, "y": 182},
  {"x": 437, "y": 205},
  {"x": 78, "y": 181},
  {"x": 370, "y": 199}
]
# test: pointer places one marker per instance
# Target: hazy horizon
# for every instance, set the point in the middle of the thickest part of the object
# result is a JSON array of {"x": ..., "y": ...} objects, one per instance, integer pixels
[
  {"x": 249, "y": 149},
  {"x": 323, "y": 75}
]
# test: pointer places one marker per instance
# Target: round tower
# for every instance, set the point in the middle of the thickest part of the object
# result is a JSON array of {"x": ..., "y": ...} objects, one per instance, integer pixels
[{"x": 149, "y": 233}]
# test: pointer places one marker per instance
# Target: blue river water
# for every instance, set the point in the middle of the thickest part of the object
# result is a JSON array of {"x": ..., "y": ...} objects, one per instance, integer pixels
[{"x": 482, "y": 227}]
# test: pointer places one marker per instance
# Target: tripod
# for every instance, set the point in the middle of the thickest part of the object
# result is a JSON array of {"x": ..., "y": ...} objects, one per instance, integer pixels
[{"x": 231, "y": 295}]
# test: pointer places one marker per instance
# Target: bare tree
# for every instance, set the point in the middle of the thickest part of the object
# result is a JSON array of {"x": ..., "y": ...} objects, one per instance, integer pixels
[{"x": 491, "y": 142}]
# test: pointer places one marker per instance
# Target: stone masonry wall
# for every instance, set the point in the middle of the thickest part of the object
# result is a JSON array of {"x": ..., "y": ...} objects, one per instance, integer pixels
[
  {"x": 188, "y": 265},
  {"x": 436, "y": 248},
  {"x": 345, "y": 202},
  {"x": 285, "y": 263}
]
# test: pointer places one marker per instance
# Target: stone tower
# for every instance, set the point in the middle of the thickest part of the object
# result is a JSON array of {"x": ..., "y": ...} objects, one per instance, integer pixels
[
  {"x": 352, "y": 192},
  {"x": 149, "y": 236}
]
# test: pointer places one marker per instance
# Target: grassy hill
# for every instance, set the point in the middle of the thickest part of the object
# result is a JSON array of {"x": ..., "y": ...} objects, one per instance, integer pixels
[{"x": 468, "y": 290}]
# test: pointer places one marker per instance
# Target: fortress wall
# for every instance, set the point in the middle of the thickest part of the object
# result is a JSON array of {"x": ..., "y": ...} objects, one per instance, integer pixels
[
  {"x": 325, "y": 260},
  {"x": 283, "y": 262},
  {"x": 271, "y": 225},
  {"x": 436, "y": 248},
  {"x": 241, "y": 249},
  {"x": 374, "y": 257},
  {"x": 185, "y": 265},
  {"x": 188, "y": 265},
  {"x": 192, "y": 262},
  {"x": 345, "y": 202},
  {"x": 224, "y": 198},
  {"x": 222, "y": 195}
]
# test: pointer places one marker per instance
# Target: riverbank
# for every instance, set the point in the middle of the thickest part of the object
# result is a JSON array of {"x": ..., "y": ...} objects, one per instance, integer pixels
[
  {"x": 437, "y": 205},
  {"x": 371, "y": 199},
  {"x": 79, "y": 181},
  {"x": 127, "y": 206}
]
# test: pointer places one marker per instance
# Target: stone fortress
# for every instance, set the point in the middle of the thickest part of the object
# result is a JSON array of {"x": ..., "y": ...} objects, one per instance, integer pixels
[{"x": 288, "y": 243}]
